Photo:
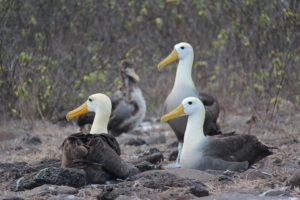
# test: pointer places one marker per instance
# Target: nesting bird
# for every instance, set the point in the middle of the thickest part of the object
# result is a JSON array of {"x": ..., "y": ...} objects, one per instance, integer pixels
[
  {"x": 97, "y": 153},
  {"x": 185, "y": 87},
  {"x": 128, "y": 104},
  {"x": 220, "y": 152}
]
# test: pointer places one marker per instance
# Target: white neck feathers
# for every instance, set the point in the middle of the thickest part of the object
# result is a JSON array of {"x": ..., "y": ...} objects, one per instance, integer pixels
[
  {"x": 194, "y": 129},
  {"x": 100, "y": 123},
  {"x": 184, "y": 71}
]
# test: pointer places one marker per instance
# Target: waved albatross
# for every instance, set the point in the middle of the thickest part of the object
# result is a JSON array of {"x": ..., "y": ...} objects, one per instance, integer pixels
[
  {"x": 128, "y": 104},
  {"x": 185, "y": 87},
  {"x": 97, "y": 153},
  {"x": 220, "y": 152}
]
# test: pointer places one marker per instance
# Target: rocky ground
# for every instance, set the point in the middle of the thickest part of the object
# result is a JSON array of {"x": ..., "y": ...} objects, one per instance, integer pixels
[{"x": 30, "y": 156}]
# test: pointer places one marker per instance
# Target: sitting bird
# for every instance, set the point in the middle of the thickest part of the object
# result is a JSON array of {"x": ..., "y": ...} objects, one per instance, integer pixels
[
  {"x": 220, "y": 152},
  {"x": 128, "y": 104},
  {"x": 97, "y": 153}
]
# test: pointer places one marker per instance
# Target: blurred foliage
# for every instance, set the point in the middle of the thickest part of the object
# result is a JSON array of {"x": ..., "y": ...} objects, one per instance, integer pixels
[{"x": 55, "y": 53}]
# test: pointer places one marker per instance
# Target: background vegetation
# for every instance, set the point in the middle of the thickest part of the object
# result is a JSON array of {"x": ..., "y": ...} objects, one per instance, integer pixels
[{"x": 53, "y": 54}]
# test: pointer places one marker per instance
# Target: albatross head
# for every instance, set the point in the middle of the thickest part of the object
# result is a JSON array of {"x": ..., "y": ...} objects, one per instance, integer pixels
[
  {"x": 189, "y": 106},
  {"x": 181, "y": 51},
  {"x": 95, "y": 103},
  {"x": 127, "y": 70},
  {"x": 101, "y": 105}
]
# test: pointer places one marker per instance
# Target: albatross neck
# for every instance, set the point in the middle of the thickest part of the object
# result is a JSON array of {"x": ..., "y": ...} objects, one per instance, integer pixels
[
  {"x": 184, "y": 72},
  {"x": 194, "y": 129},
  {"x": 100, "y": 123}
]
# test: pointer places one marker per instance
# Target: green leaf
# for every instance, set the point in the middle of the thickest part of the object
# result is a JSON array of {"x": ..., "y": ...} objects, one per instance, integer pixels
[
  {"x": 275, "y": 100},
  {"x": 32, "y": 20},
  {"x": 297, "y": 98},
  {"x": 258, "y": 87},
  {"x": 159, "y": 22}
]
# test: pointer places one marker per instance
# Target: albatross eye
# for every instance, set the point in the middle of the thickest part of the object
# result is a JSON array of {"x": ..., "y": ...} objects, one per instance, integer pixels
[
  {"x": 181, "y": 47},
  {"x": 90, "y": 100},
  {"x": 190, "y": 103}
]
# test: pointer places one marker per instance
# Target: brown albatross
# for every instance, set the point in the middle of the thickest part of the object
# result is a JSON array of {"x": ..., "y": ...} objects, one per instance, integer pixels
[
  {"x": 220, "y": 152},
  {"x": 185, "y": 87},
  {"x": 128, "y": 104},
  {"x": 97, "y": 153}
]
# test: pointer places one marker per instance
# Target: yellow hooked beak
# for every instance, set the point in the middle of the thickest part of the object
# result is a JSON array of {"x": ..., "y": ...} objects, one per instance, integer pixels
[
  {"x": 133, "y": 75},
  {"x": 173, "y": 114},
  {"x": 77, "y": 112},
  {"x": 172, "y": 57}
]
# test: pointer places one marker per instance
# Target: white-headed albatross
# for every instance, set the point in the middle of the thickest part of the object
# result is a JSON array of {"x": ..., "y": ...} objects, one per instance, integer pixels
[
  {"x": 185, "y": 87},
  {"x": 97, "y": 153},
  {"x": 128, "y": 104},
  {"x": 220, "y": 152}
]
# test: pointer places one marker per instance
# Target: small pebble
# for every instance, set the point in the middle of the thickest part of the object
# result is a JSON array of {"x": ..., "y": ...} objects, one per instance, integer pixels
[{"x": 294, "y": 180}]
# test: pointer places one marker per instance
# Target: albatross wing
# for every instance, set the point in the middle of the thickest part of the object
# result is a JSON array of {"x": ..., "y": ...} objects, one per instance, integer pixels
[
  {"x": 237, "y": 148},
  {"x": 97, "y": 154}
]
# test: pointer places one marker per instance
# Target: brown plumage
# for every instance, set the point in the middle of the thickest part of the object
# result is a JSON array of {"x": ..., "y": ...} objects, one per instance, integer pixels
[{"x": 97, "y": 154}]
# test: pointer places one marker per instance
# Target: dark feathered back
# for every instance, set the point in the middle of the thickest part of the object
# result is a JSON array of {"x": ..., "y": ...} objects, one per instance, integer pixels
[
  {"x": 97, "y": 154},
  {"x": 237, "y": 148}
]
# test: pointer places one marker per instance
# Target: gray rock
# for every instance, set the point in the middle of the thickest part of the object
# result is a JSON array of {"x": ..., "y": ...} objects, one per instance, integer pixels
[
  {"x": 161, "y": 139},
  {"x": 277, "y": 162},
  {"x": 145, "y": 166},
  {"x": 136, "y": 132},
  {"x": 16, "y": 170},
  {"x": 190, "y": 174},
  {"x": 226, "y": 179},
  {"x": 13, "y": 170},
  {"x": 159, "y": 174},
  {"x": 294, "y": 180},
  {"x": 33, "y": 140},
  {"x": 12, "y": 198},
  {"x": 239, "y": 196},
  {"x": 199, "y": 190},
  {"x": 274, "y": 192},
  {"x": 173, "y": 155},
  {"x": 173, "y": 144},
  {"x": 125, "y": 137},
  {"x": 135, "y": 142},
  {"x": 52, "y": 189},
  {"x": 254, "y": 174},
  {"x": 65, "y": 196},
  {"x": 229, "y": 173},
  {"x": 145, "y": 185},
  {"x": 165, "y": 180},
  {"x": 51, "y": 175},
  {"x": 153, "y": 175},
  {"x": 107, "y": 194},
  {"x": 153, "y": 156}
]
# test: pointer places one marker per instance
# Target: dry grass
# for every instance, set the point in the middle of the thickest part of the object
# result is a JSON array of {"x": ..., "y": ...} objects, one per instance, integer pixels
[{"x": 16, "y": 150}]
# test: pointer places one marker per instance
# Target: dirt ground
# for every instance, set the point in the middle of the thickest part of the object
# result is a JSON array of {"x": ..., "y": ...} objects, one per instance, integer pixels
[{"x": 271, "y": 173}]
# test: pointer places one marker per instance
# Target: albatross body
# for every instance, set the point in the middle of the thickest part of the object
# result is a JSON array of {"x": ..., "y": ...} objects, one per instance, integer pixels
[
  {"x": 97, "y": 153},
  {"x": 185, "y": 87},
  {"x": 128, "y": 104},
  {"x": 220, "y": 152}
]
